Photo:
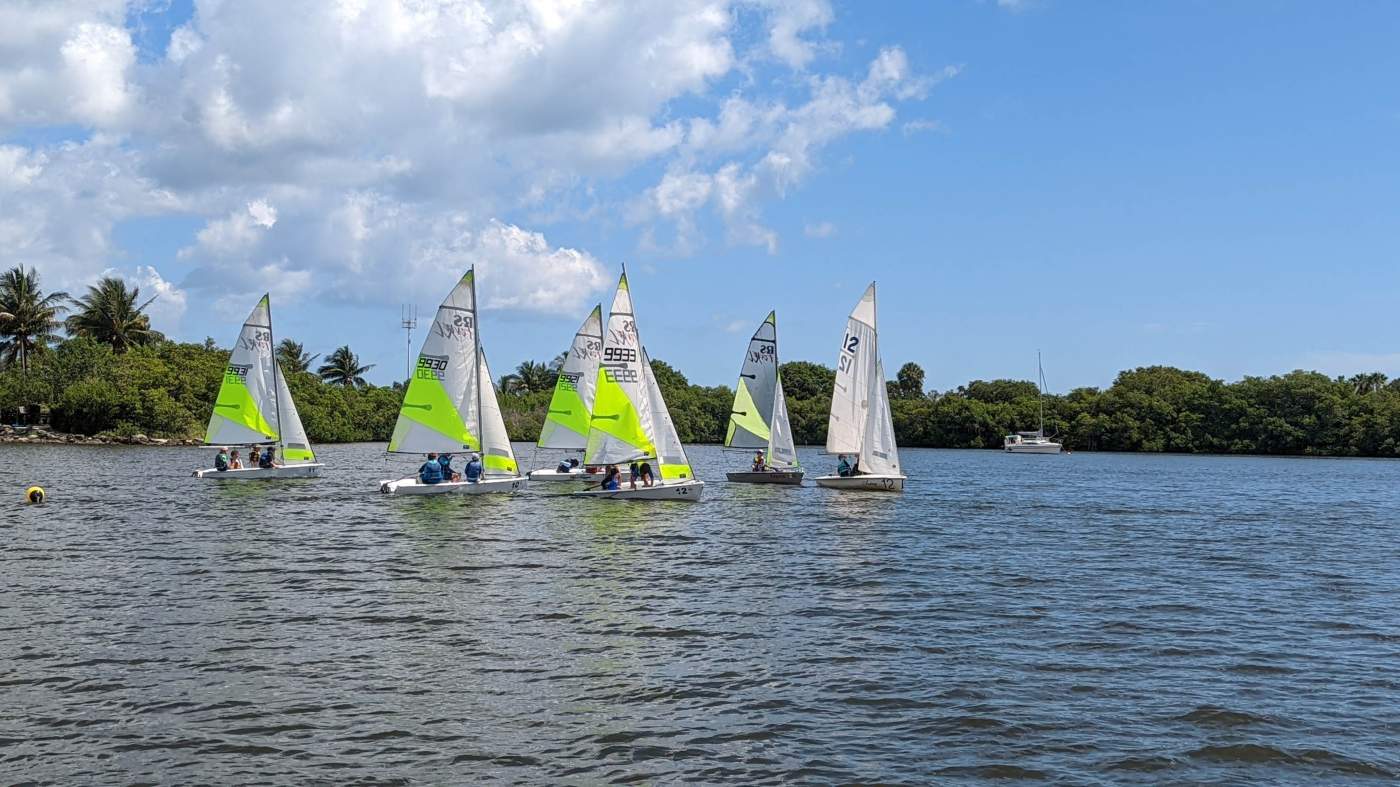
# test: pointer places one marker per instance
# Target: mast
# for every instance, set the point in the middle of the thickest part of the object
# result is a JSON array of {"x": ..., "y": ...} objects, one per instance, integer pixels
[
  {"x": 1040, "y": 385},
  {"x": 276, "y": 394},
  {"x": 476, "y": 337}
]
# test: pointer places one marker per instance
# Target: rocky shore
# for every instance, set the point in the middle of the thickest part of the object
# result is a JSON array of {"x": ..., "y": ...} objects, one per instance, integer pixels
[{"x": 39, "y": 434}]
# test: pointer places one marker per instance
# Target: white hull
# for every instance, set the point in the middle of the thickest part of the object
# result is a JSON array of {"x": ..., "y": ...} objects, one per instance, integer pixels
[
  {"x": 688, "y": 491},
  {"x": 412, "y": 486},
  {"x": 874, "y": 483},
  {"x": 1032, "y": 448},
  {"x": 259, "y": 474},
  {"x": 555, "y": 475}
]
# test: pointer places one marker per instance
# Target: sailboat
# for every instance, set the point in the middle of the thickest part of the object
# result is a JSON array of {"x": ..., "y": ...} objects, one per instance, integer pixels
[
  {"x": 254, "y": 406},
  {"x": 450, "y": 405},
  {"x": 566, "y": 424},
  {"x": 860, "y": 426},
  {"x": 759, "y": 418},
  {"x": 629, "y": 421},
  {"x": 1033, "y": 442}
]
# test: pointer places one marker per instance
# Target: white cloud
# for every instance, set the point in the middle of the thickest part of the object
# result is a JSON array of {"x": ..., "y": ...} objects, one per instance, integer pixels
[
  {"x": 169, "y": 304},
  {"x": 65, "y": 62},
  {"x": 913, "y": 127},
  {"x": 789, "y": 19},
  {"x": 824, "y": 229}
]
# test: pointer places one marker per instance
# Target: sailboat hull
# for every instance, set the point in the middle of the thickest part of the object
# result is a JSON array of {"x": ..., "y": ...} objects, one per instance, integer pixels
[
  {"x": 1033, "y": 448},
  {"x": 788, "y": 477},
  {"x": 553, "y": 475},
  {"x": 412, "y": 486},
  {"x": 262, "y": 474},
  {"x": 870, "y": 483},
  {"x": 684, "y": 491}
]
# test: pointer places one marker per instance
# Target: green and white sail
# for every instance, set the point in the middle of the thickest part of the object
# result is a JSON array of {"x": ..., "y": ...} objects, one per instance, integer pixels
[
  {"x": 670, "y": 454},
  {"x": 497, "y": 456},
  {"x": 296, "y": 448},
  {"x": 570, "y": 409},
  {"x": 759, "y": 419},
  {"x": 440, "y": 410},
  {"x": 860, "y": 422},
  {"x": 620, "y": 428},
  {"x": 245, "y": 412}
]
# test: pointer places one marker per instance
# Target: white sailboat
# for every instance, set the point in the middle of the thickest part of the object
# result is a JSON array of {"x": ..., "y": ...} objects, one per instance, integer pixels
[
  {"x": 566, "y": 424},
  {"x": 629, "y": 421},
  {"x": 450, "y": 405},
  {"x": 1033, "y": 442},
  {"x": 254, "y": 407},
  {"x": 860, "y": 426},
  {"x": 759, "y": 419}
]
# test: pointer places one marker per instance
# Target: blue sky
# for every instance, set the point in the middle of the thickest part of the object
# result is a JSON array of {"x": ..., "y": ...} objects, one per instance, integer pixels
[{"x": 1197, "y": 184}]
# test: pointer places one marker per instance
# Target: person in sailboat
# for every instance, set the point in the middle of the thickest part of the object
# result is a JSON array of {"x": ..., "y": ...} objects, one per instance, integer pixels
[
  {"x": 221, "y": 460},
  {"x": 634, "y": 471},
  {"x": 612, "y": 480},
  {"x": 843, "y": 468},
  {"x": 567, "y": 466},
  {"x": 474, "y": 469},
  {"x": 647, "y": 478},
  {"x": 448, "y": 474},
  {"x": 431, "y": 471},
  {"x": 234, "y": 462},
  {"x": 758, "y": 464},
  {"x": 268, "y": 460}
]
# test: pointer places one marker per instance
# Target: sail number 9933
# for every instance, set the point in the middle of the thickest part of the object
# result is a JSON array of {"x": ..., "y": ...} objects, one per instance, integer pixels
[{"x": 617, "y": 364}]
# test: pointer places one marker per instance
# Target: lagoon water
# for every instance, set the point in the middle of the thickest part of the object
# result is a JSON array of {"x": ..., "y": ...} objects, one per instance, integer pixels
[{"x": 1076, "y": 619}]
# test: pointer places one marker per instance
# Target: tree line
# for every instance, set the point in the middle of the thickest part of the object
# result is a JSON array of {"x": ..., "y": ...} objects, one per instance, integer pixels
[{"x": 113, "y": 373}]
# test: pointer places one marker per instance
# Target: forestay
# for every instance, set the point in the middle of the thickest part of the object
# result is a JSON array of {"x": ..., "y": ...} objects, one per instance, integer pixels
[
  {"x": 439, "y": 410},
  {"x": 860, "y": 422},
  {"x": 570, "y": 409},
  {"x": 245, "y": 412},
  {"x": 670, "y": 454},
  {"x": 620, "y": 429}
]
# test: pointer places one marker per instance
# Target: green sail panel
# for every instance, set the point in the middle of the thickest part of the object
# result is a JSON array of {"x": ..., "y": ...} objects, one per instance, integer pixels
[
  {"x": 571, "y": 407},
  {"x": 245, "y": 411},
  {"x": 620, "y": 428},
  {"x": 439, "y": 410}
]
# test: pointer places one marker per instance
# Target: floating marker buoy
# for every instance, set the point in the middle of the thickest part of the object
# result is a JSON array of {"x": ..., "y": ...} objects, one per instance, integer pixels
[{"x": 34, "y": 494}]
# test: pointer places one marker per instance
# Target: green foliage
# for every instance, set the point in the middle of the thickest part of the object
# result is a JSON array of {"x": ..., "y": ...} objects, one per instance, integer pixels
[
  {"x": 342, "y": 367},
  {"x": 110, "y": 314},
  {"x": 293, "y": 357},
  {"x": 28, "y": 317}
]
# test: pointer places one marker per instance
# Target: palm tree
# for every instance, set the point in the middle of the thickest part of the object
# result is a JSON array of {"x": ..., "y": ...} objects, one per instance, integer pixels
[
  {"x": 529, "y": 377},
  {"x": 110, "y": 314},
  {"x": 342, "y": 367},
  {"x": 30, "y": 317},
  {"x": 1367, "y": 383},
  {"x": 294, "y": 357}
]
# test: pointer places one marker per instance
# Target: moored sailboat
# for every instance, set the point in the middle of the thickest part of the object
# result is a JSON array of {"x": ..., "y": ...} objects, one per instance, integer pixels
[
  {"x": 860, "y": 424},
  {"x": 1033, "y": 442},
  {"x": 758, "y": 419},
  {"x": 629, "y": 421},
  {"x": 570, "y": 408},
  {"x": 254, "y": 407},
  {"x": 450, "y": 405}
]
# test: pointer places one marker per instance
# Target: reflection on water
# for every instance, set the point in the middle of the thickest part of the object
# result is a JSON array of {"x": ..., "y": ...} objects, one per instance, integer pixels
[{"x": 1077, "y": 619}]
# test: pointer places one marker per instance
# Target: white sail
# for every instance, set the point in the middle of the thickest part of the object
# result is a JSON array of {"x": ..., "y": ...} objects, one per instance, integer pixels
[
  {"x": 439, "y": 410},
  {"x": 860, "y": 422},
  {"x": 670, "y": 454},
  {"x": 620, "y": 429},
  {"x": 296, "y": 448},
  {"x": 751, "y": 416},
  {"x": 566, "y": 423},
  {"x": 781, "y": 451},
  {"x": 245, "y": 412},
  {"x": 497, "y": 456}
]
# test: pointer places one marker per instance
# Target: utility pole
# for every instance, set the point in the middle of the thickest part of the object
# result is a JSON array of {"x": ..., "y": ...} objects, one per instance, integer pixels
[{"x": 408, "y": 319}]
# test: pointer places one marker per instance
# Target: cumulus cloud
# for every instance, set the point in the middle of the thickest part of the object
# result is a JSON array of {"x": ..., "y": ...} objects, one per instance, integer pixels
[
  {"x": 169, "y": 304},
  {"x": 65, "y": 63}
]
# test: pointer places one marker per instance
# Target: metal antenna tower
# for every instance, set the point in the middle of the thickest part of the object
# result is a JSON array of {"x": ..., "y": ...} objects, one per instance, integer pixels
[{"x": 408, "y": 320}]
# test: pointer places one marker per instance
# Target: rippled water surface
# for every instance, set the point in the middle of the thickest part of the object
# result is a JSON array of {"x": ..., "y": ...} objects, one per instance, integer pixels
[{"x": 1077, "y": 619}]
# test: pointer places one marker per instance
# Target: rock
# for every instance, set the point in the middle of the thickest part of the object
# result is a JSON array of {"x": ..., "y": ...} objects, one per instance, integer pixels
[{"x": 159, "y": 441}]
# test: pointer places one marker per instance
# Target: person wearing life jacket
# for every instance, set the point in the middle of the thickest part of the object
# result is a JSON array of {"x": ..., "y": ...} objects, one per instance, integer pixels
[
  {"x": 268, "y": 460},
  {"x": 431, "y": 471},
  {"x": 221, "y": 460},
  {"x": 843, "y": 468},
  {"x": 448, "y": 474},
  {"x": 474, "y": 469},
  {"x": 612, "y": 480}
]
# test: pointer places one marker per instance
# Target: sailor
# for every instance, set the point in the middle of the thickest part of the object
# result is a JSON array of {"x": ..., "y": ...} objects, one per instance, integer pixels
[
  {"x": 647, "y": 478},
  {"x": 474, "y": 469},
  {"x": 758, "y": 464},
  {"x": 447, "y": 473},
  {"x": 634, "y": 471},
  {"x": 234, "y": 463},
  {"x": 268, "y": 460},
  {"x": 564, "y": 466},
  {"x": 431, "y": 471},
  {"x": 612, "y": 480},
  {"x": 843, "y": 468},
  {"x": 221, "y": 460}
]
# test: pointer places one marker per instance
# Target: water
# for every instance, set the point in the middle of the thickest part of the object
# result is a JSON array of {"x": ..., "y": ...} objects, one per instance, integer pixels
[{"x": 1079, "y": 619}]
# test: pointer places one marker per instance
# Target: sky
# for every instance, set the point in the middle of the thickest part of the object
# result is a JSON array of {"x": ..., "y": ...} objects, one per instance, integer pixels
[{"x": 1208, "y": 185}]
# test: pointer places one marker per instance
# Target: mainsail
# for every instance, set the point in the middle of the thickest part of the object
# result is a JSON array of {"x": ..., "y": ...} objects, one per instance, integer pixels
[
  {"x": 245, "y": 412},
  {"x": 670, "y": 454},
  {"x": 860, "y": 421},
  {"x": 566, "y": 424},
  {"x": 620, "y": 429},
  {"x": 441, "y": 408},
  {"x": 758, "y": 419}
]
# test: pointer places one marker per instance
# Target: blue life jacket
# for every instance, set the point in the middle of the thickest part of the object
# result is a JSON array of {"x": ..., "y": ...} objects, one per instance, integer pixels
[
  {"x": 265, "y": 460},
  {"x": 473, "y": 472},
  {"x": 446, "y": 462},
  {"x": 430, "y": 472},
  {"x": 614, "y": 483},
  {"x": 843, "y": 469},
  {"x": 221, "y": 461}
]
